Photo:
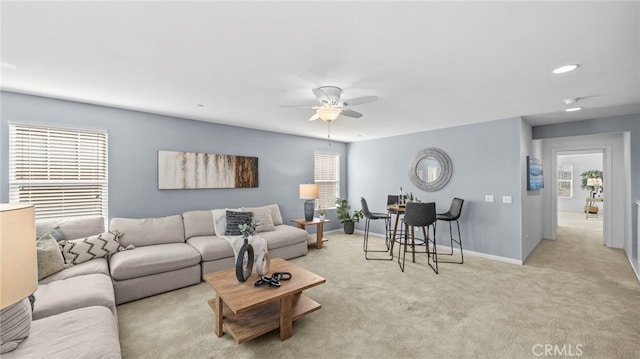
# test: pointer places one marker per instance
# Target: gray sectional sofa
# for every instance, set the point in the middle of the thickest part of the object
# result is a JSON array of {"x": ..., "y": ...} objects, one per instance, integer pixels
[
  {"x": 79, "y": 303},
  {"x": 74, "y": 314}
]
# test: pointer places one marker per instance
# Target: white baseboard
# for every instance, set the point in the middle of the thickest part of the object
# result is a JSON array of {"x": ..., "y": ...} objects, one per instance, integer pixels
[
  {"x": 466, "y": 251},
  {"x": 636, "y": 268}
]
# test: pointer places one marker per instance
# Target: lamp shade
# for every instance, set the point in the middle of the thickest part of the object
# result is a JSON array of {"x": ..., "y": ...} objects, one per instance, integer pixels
[
  {"x": 309, "y": 191},
  {"x": 18, "y": 255},
  {"x": 595, "y": 182}
]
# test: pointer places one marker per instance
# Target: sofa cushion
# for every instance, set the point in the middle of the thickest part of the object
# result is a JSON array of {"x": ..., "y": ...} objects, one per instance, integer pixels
[
  {"x": 84, "y": 249},
  {"x": 94, "y": 266},
  {"x": 211, "y": 248},
  {"x": 72, "y": 228},
  {"x": 15, "y": 321},
  {"x": 198, "y": 223},
  {"x": 85, "y": 333},
  {"x": 274, "y": 209},
  {"x": 73, "y": 293},
  {"x": 148, "y": 260},
  {"x": 234, "y": 220},
  {"x": 50, "y": 259},
  {"x": 284, "y": 235},
  {"x": 149, "y": 231}
]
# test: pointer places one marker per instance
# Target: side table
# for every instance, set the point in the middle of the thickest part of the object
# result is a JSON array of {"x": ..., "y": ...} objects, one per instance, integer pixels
[{"x": 302, "y": 224}]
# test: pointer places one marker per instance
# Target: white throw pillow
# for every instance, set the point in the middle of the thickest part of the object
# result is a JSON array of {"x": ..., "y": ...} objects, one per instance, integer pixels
[
  {"x": 276, "y": 216},
  {"x": 49, "y": 256},
  {"x": 84, "y": 249},
  {"x": 263, "y": 216}
]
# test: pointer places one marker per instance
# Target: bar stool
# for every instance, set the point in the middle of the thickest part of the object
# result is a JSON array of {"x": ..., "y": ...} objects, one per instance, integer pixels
[
  {"x": 450, "y": 216},
  {"x": 394, "y": 199},
  {"x": 368, "y": 218},
  {"x": 420, "y": 215}
]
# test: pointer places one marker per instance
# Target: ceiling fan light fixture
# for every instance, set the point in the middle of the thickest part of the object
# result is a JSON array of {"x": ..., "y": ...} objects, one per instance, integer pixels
[{"x": 328, "y": 113}]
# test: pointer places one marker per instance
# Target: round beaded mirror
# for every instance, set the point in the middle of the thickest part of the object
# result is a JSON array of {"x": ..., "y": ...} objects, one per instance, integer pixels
[{"x": 430, "y": 169}]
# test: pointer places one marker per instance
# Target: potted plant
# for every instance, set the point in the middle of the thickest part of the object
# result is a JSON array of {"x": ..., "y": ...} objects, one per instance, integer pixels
[
  {"x": 322, "y": 212},
  {"x": 345, "y": 217}
]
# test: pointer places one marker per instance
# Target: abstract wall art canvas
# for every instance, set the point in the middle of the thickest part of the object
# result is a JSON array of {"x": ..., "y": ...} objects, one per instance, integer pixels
[
  {"x": 534, "y": 174},
  {"x": 186, "y": 170}
]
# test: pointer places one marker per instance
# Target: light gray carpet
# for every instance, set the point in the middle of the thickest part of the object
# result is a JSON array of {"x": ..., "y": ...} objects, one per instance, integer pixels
[{"x": 571, "y": 292}]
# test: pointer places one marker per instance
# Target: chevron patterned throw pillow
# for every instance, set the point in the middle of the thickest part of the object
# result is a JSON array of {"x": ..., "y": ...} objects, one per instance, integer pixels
[{"x": 81, "y": 250}]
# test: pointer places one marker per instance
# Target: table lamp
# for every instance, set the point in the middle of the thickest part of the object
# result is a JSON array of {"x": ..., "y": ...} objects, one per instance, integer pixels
[
  {"x": 309, "y": 191},
  {"x": 18, "y": 255},
  {"x": 596, "y": 183}
]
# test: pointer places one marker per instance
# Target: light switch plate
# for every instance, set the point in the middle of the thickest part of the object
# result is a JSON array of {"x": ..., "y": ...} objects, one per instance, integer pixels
[
  {"x": 488, "y": 198},
  {"x": 506, "y": 199}
]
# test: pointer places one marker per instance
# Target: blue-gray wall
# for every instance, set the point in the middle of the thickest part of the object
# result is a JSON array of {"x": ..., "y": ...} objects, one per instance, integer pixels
[
  {"x": 486, "y": 161},
  {"x": 135, "y": 138}
]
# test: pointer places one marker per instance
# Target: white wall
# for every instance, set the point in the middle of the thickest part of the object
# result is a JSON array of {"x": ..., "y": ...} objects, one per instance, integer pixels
[{"x": 531, "y": 219}]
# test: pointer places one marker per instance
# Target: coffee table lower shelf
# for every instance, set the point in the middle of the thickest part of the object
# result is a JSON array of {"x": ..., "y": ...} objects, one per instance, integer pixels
[{"x": 262, "y": 319}]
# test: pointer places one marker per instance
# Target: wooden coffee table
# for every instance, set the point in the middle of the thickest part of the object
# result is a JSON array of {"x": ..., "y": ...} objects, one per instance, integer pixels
[{"x": 247, "y": 311}]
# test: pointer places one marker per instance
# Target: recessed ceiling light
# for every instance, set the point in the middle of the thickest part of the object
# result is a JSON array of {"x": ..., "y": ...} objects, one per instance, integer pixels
[
  {"x": 565, "y": 68},
  {"x": 572, "y": 109}
]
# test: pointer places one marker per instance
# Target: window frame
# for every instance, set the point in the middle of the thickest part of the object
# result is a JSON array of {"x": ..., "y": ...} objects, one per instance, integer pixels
[
  {"x": 562, "y": 168},
  {"x": 63, "y": 171},
  {"x": 326, "y": 201}
]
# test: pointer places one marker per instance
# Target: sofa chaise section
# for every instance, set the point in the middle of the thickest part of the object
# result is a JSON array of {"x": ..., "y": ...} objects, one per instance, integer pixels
[
  {"x": 84, "y": 333},
  {"x": 160, "y": 262}
]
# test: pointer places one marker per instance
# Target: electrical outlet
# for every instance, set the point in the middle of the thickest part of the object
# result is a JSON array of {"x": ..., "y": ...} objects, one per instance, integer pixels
[
  {"x": 488, "y": 198},
  {"x": 506, "y": 199}
]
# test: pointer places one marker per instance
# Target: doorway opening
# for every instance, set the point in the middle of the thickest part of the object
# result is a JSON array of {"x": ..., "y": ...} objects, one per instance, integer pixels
[{"x": 580, "y": 200}]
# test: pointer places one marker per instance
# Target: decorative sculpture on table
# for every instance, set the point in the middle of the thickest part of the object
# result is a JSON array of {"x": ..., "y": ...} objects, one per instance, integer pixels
[{"x": 244, "y": 265}]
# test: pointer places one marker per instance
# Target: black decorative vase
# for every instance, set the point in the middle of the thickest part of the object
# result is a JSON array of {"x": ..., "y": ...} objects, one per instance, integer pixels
[
  {"x": 349, "y": 227},
  {"x": 243, "y": 272}
]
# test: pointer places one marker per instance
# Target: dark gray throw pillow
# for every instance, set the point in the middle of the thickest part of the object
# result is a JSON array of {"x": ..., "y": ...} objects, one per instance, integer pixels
[{"x": 234, "y": 219}]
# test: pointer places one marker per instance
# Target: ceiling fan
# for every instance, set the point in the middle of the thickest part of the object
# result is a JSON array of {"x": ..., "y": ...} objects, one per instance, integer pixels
[{"x": 330, "y": 106}]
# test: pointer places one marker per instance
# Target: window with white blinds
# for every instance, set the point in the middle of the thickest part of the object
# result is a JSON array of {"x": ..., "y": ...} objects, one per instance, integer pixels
[
  {"x": 327, "y": 176},
  {"x": 63, "y": 172},
  {"x": 565, "y": 181}
]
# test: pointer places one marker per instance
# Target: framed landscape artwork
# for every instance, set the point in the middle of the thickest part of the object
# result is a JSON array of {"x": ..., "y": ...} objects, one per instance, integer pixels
[
  {"x": 186, "y": 170},
  {"x": 534, "y": 174}
]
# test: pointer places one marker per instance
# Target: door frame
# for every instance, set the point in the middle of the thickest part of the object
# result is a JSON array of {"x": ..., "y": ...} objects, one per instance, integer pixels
[{"x": 607, "y": 171}]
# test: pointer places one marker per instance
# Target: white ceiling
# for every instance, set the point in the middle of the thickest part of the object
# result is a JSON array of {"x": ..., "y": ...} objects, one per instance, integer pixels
[{"x": 432, "y": 64}]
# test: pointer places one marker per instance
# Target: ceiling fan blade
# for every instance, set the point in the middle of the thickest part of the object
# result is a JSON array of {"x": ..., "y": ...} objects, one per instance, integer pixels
[
  {"x": 359, "y": 100},
  {"x": 314, "y": 117},
  {"x": 351, "y": 113}
]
